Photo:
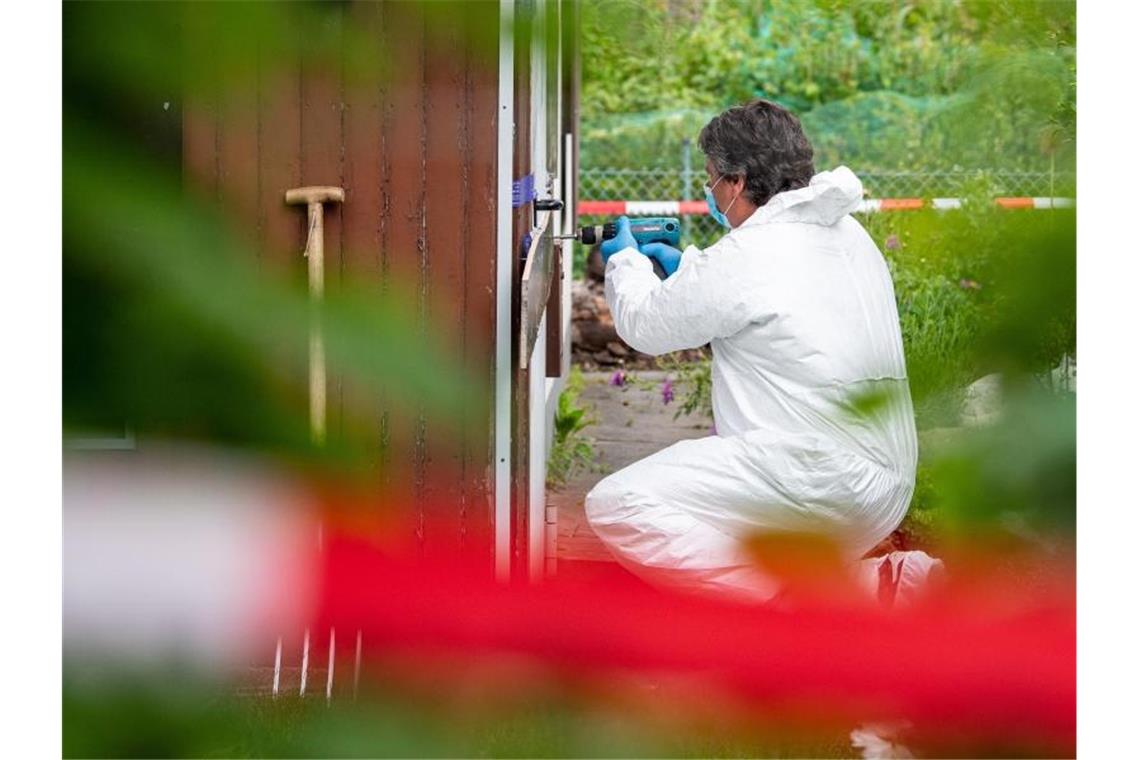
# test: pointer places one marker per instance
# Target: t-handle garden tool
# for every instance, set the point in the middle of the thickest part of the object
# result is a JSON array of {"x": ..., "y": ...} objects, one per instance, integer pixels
[{"x": 315, "y": 198}]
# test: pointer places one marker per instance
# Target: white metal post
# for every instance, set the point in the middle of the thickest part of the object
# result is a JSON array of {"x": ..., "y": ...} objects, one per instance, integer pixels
[
  {"x": 356, "y": 669},
  {"x": 304, "y": 664},
  {"x": 504, "y": 262},
  {"x": 277, "y": 668},
  {"x": 332, "y": 661}
]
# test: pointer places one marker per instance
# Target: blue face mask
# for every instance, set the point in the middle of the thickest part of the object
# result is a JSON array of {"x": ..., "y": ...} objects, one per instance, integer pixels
[{"x": 715, "y": 212}]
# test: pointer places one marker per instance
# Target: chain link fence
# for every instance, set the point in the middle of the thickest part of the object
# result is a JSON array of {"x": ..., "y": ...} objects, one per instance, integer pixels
[
  {"x": 679, "y": 184},
  {"x": 687, "y": 183}
]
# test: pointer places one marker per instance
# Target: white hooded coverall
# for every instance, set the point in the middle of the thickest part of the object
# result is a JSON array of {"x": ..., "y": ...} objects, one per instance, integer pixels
[{"x": 814, "y": 423}]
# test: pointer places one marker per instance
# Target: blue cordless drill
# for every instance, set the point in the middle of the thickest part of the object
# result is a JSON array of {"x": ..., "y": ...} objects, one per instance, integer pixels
[{"x": 649, "y": 229}]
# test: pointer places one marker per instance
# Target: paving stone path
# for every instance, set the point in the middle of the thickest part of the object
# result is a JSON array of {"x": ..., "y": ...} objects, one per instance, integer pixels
[{"x": 631, "y": 422}]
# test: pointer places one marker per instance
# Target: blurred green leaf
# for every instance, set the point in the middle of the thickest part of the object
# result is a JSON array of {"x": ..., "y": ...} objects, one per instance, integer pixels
[
  {"x": 549, "y": 717},
  {"x": 1018, "y": 475}
]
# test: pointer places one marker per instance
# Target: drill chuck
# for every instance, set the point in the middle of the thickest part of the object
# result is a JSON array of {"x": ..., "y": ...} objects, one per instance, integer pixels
[{"x": 596, "y": 233}]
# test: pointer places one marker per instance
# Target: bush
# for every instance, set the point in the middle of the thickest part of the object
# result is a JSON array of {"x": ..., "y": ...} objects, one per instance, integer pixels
[
  {"x": 571, "y": 450},
  {"x": 924, "y": 86}
]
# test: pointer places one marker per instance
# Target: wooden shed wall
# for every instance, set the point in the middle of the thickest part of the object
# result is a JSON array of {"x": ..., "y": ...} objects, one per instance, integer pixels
[{"x": 413, "y": 143}]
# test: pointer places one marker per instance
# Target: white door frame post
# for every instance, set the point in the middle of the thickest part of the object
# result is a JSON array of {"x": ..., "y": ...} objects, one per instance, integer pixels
[{"x": 503, "y": 284}]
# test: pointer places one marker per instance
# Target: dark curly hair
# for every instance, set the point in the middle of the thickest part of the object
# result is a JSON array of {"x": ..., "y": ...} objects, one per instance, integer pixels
[{"x": 762, "y": 142}]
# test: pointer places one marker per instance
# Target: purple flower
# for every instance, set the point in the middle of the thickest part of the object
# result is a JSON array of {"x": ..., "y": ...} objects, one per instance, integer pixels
[
  {"x": 667, "y": 391},
  {"x": 618, "y": 379},
  {"x": 893, "y": 243}
]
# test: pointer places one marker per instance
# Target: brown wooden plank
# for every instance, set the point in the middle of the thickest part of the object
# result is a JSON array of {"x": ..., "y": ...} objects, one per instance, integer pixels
[
  {"x": 397, "y": 436},
  {"x": 237, "y": 146},
  {"x": 520, "y": 422},
  {"x": 200, "y": 138},
  {"x": 554, "y": 313},
  {"x": 281, "y": 227},
  {"x": 362, "y": 215},
  {"x": 365, "y": 91},
  {"x": 444, "y": 261},
  {"x": 480, "y": 213},
  {"x": 402, "y": 234},
  {"x": 279, "y": 159},
  {"x": 551, "y": 42}
]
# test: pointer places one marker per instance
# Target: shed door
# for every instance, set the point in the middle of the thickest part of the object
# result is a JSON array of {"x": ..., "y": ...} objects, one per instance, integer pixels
[{"x": 397, "y": 103}]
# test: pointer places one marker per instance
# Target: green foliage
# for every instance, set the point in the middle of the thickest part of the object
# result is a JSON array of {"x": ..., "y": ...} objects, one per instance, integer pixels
[
  {"x": 571, "y": 450},
  {"x": 933, "y": 85},
  {"x": 643, "y": 140},
  {"x": 1017, "y": 476},
  {"x": 938, "y": 320},
  {"x": 884, "y": 129},
  {"x": 1014, "y": 304},
  {"x": 693, "y": 380},
  {"x": 399, "y": 716}
]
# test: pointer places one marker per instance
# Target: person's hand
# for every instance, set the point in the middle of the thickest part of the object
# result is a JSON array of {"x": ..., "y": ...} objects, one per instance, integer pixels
[
  {"x": 619, "y": 242},
  {"x": 666, "y": 255}
]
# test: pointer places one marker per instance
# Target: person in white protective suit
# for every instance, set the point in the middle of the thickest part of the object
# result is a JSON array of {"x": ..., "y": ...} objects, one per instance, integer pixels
[{"x": 814, "y": 426}]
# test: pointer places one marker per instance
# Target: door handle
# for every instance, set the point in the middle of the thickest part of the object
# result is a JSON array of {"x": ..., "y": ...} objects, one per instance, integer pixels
[{"x": 545, "y": 204}]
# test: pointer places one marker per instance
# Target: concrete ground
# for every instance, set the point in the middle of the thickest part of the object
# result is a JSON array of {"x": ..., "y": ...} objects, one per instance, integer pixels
[{"x": 630, "y": 423}]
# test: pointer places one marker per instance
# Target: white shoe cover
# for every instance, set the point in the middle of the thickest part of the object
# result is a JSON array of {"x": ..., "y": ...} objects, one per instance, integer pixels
[{"x": 878, "y": 740}]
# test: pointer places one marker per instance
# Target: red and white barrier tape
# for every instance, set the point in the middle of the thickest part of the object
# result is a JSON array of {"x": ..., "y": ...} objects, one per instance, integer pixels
[
  {"x": 682, "y": 208},
  {"x": 209, "y": 556}
]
